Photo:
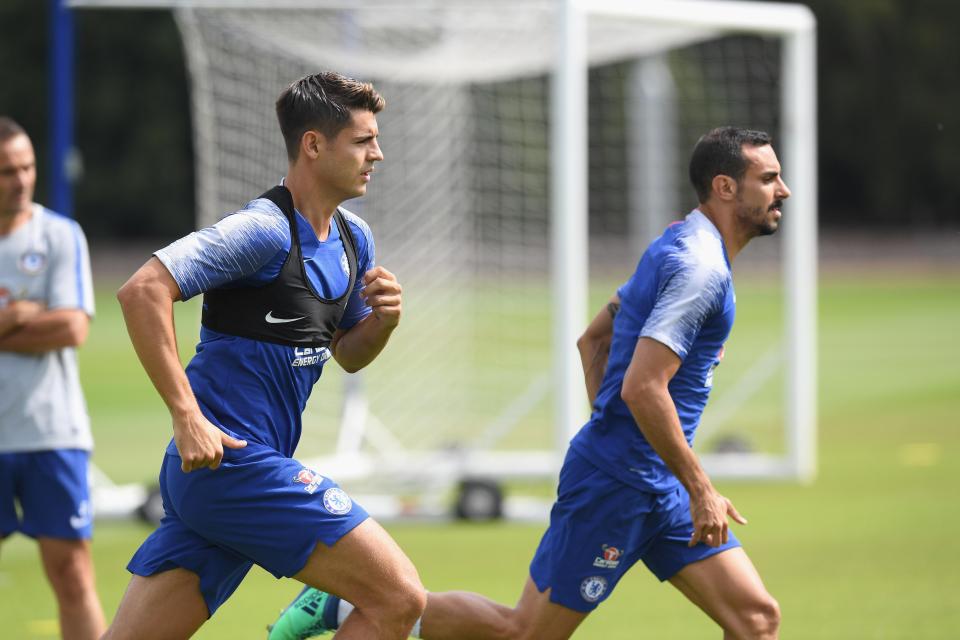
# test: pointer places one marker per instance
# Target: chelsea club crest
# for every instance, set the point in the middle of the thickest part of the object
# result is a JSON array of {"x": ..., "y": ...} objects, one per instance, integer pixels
[
  {"x": 593, "y": 588},
  {"x": 336, "y": 501},
  {"x": 32, "y": 262}
]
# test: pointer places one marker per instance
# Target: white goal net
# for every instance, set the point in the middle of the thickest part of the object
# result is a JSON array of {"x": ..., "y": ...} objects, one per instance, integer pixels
[{"x": 489, "y": 234}]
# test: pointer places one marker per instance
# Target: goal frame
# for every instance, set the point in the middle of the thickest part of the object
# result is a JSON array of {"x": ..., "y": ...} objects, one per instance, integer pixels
[{"x": 795, "y": 25}]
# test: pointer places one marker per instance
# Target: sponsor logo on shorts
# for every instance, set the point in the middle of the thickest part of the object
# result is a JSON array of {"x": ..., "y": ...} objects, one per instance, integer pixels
[
  {"x": 609, "y": 558},
  {"x": 593, "y": 588},
  {"x": 336, "y": 501},
  {"x": 310, "y": 479},
  {"x": 309, "y": 356},
  {"x": 32, "y": 262},
  {"x": 82, "y": 517}
]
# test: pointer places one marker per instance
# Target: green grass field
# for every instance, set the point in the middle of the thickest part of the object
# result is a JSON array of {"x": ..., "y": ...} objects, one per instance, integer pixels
[{"x": 868, "y": 551}]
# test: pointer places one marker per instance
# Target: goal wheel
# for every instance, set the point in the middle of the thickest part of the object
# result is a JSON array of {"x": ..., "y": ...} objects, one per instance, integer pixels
[{"x": 479, "y": 500}]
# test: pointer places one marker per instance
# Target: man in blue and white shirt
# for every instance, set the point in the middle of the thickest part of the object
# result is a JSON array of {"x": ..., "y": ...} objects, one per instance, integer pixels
[
  {"x": 288, "y": 282},
  {"x": 631, "y": 487},
  {"x": 46, "y": 302}
]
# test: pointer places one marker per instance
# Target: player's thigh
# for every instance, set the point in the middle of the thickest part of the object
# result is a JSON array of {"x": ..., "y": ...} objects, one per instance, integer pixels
[
  {"x": 55, "y": 495},
  {"x": 164, "y": 606},
  {"x": 539, "y": 618},
  {"x": 599, "y": 528},
  {"x": 727, "y": 587},
  {"x": 9, "y": 470},
  {"x": 365, "y": 567},
  {"x": 263, "y": 506},
  {"x": 52, "y": 490}
]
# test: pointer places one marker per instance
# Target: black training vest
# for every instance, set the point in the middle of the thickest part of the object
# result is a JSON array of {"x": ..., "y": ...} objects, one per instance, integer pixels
[{"x": 286, "y": 311}]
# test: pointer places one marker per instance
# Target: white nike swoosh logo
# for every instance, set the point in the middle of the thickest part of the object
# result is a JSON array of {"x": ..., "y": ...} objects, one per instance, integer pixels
[{"x": 269, "y": 318}]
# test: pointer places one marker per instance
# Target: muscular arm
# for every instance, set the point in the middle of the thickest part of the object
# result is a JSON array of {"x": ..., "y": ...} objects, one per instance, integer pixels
[
  {"x": 594, "y": 346},
  {"x": 646, "y": 394},
  {"x": 147, "y": 302},
  {"x": 356, "y": 347}
]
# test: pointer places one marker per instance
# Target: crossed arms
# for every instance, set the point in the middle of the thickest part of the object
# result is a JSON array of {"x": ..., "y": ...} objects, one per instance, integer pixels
[{"x": 28, "y": 327}]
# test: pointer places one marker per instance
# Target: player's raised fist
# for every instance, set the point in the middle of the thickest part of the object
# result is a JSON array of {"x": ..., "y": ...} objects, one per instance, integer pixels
[{"x": 383, "y": 293}]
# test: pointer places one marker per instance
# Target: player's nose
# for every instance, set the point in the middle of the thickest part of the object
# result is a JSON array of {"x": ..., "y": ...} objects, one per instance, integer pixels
[
  {"x": 376, "y": 153},
  {"x": 784, "y": 191}
]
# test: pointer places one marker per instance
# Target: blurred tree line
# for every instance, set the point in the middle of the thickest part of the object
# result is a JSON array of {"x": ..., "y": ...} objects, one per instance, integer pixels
[
  {"x": 889, "y": 113},
  {"x": 132, "y": 114}
]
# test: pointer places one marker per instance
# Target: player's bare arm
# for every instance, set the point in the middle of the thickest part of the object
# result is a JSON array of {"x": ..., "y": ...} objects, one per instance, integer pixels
[
  {"x": 147, "y": 302},
  {"x": 48, "y": 330},
  {"x": 16, "y": 314},
  {"x": 646, "y": 395},
  {"x": 357, "y": 347},
  {"x": 594, "y": 346}
]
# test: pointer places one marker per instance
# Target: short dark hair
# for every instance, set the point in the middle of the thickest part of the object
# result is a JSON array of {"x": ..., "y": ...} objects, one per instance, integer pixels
[
  {"x": 322, "y": 101},
  {"x": 720, "y": 152},
  {"x": 10, "y": 129}
]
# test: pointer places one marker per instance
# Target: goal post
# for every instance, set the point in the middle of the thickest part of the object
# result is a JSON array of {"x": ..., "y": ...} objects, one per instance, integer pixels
[{"x": 524, "y": 141}]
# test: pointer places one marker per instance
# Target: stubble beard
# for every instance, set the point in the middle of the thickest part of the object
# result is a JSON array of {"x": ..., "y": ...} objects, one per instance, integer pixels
[{"x": 758, "y": 219}]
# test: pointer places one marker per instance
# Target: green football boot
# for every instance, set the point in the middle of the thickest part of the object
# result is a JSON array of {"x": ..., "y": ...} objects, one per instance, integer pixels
[{"x": 312, "y": 613}]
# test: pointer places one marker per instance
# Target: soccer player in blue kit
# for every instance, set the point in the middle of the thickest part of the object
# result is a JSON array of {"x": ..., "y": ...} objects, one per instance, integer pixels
[
  {"x": 631, "y": 487},
  {"x": 288, "y": 282}
]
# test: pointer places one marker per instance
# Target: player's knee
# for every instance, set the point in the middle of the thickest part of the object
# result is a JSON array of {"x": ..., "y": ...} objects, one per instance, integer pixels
[
  {"x": 71, "y": 578},
  {"x": 411, "y": 599},
  {"x": 762, "y": 619},
  {"x": 771, "y": 615},
  {"x": 401, "y": 604},
  {"x": 511, "y": 627}
]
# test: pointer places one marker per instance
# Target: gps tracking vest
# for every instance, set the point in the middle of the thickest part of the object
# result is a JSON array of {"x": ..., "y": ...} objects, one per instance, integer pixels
[{"x": 286, "y": 311}]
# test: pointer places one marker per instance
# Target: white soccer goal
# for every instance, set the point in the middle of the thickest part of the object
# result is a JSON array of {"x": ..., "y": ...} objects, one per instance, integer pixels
[{"x": 524, "y": 142}]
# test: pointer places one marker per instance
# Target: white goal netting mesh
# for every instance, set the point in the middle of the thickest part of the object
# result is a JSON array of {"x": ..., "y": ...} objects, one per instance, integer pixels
[{"x": 460, "y": 207}]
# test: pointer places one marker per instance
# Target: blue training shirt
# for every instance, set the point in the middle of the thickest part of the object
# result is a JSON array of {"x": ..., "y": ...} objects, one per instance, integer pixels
[
  {"x": 256, "y": 390},
  {"x": 682, "y": 296}
]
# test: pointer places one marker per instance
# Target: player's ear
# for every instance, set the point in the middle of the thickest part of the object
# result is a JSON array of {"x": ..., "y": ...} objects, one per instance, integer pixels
[
  {"x": 310, "y": 143},
  {"x": 724, "y": 187}
]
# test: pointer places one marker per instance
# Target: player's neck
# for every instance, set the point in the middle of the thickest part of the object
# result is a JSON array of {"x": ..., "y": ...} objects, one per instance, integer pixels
[
  {"x": 13, "y": 221},
  {"x": 312, "y": 203},
  {"x": 725, "y": 222}
]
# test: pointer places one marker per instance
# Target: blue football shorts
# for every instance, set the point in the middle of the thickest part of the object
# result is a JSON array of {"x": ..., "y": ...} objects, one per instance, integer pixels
[
  {"x": 53, "y": 492},
  {"x": 600, "y": 527},
  {"x": 258, "y": 507}
]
